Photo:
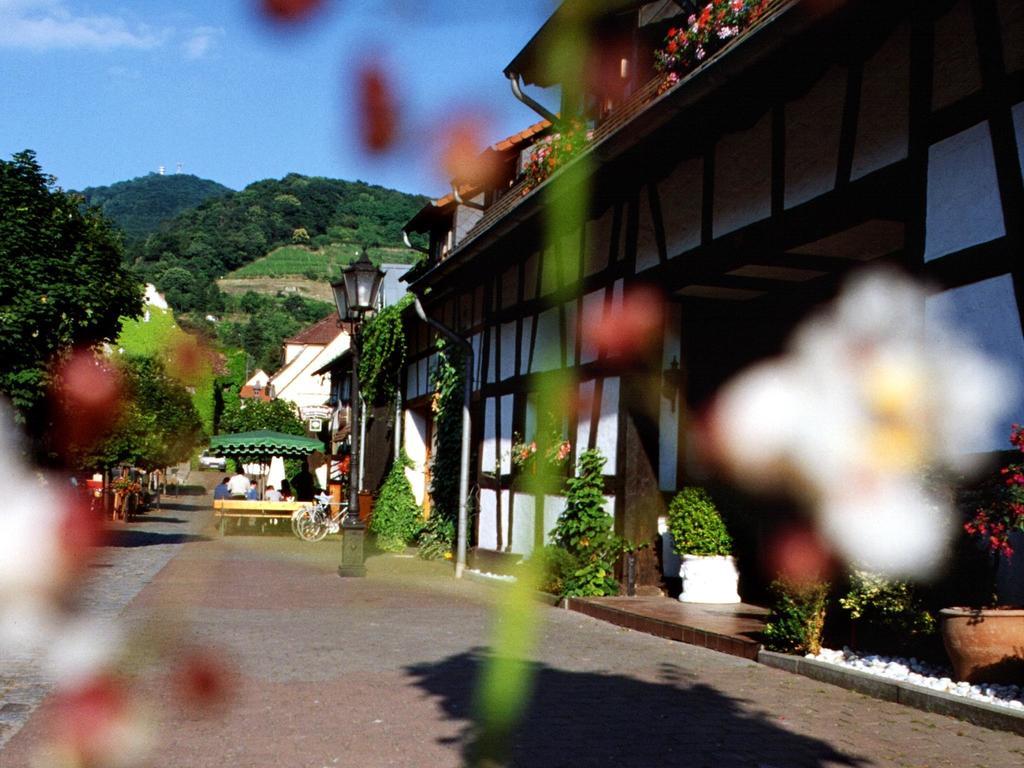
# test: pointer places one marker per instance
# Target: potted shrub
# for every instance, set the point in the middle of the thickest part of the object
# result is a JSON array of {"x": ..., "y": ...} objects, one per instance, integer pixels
[
  {"x": 987, "y": 644},
  {"x": 699, "y": 536}
]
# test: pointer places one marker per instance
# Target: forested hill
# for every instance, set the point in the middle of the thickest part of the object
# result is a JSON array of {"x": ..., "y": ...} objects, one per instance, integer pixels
[
  {"x": 189, "y": 252},
  {"x": 138, "y": 206}
]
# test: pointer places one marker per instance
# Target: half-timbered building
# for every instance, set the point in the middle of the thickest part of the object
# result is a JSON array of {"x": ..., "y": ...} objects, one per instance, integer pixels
[{"x": 827, "y": 136}]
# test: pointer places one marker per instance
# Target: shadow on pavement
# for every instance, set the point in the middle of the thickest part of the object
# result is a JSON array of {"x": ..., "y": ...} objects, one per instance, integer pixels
[
  {"x": 185, "y": 490},
  {"x": 174, "y": 506},
  {"x": 122, "y": 538},
  {"x": 147, "y": 518},
  {"x": 585, "y": 718}
]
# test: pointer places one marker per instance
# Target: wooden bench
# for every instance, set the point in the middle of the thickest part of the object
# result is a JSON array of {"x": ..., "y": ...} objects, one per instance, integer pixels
[{"x": 240, "y": 509}]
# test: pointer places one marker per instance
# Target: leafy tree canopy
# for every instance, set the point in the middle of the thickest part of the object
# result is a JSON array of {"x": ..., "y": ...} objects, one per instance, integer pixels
[
  {"x": 138, "y": 206},
  {"x": 251, "y": 415},
  {"x": 187, "y": 253},
  {"x": 62, "y": 283},
  {"x": 158, "y": 424},
  {"x": 271, "y": 320}
]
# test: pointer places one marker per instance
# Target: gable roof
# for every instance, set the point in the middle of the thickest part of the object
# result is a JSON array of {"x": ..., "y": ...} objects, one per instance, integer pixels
[
  {"x": 510, "y": 145},
  {"x": 321, "y": 333}
]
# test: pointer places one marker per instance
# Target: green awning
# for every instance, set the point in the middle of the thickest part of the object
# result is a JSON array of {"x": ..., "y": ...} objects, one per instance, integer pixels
[{"x": 264, "y": 443}]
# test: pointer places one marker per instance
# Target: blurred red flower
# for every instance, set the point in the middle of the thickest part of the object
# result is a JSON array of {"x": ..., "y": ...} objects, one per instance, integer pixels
[
  {"x": 289, "y": 10},
  {"x": 378, "y": 112}
]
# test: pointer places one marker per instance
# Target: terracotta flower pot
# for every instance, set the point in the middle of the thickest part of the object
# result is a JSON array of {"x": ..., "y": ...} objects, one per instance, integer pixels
[{"x": 985, "y": 645}]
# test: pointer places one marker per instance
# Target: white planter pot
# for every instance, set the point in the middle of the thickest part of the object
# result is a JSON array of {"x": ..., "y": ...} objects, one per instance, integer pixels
[{"x": 709, "y": 579}]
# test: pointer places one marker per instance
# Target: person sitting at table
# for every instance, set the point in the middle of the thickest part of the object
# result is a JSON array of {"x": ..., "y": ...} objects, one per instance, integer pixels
[
  {"x": 272, "y": 494},
  {"x": 286, "y": 491},
  {"x": 221, "y": 491},
  {"x": 254, "y": 492},
  {"x": 238, "y": 485}
]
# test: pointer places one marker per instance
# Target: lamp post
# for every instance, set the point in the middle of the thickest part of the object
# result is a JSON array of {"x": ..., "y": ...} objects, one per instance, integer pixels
[{"x": 355, "y": 294}]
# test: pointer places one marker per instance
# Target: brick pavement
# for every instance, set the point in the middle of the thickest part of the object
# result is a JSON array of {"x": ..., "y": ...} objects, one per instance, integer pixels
[{"x": 380, "y": 672}]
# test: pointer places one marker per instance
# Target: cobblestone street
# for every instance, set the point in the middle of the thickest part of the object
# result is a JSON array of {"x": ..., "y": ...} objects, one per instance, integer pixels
[{"x": 380, "y": 672}]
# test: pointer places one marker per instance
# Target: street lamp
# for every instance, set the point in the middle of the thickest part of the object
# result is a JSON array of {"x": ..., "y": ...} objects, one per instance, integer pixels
[{"x": 355, "y": 294}]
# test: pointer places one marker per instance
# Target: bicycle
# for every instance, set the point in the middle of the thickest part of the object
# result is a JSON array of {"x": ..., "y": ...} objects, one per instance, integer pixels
[{"x": 314, "y": 522}]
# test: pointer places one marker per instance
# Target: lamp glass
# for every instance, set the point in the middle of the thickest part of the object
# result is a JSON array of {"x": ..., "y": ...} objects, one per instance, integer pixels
[
  {"x": 338, "y": 288},
  {"x": 362, "y": 283}
]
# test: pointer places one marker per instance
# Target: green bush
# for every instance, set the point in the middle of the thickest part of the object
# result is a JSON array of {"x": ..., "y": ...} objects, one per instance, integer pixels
[
  {"x": 888, "y": 613},
  {"x": 557, "y": 569},
  {"x": 798, "y": 616},
  {"x": 396, "y": 516},
  {"x": 584, "y": 530},
  {"x": 696, "y": 526},
  {"x": 436, "y": 538}
]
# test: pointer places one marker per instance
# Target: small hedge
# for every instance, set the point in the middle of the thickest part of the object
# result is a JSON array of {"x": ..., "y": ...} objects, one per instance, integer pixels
[
  {"x": 798, "y": 616},
  {"x": 696, "y": 525},
  {"x": 396, "y": 516}
]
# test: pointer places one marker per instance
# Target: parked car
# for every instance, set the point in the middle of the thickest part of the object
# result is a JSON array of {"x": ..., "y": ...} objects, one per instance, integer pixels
[{"x": 208, "y": 461}]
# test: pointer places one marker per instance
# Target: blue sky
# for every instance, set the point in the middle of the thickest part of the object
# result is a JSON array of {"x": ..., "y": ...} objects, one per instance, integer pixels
[{"x": 105, "y": 91}]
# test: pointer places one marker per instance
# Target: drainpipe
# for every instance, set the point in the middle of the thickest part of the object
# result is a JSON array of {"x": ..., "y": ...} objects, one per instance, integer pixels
[
  {"x": 467, "y": 203},
  {"x": 467, "y": 389},
  {"x": 408, "y": 244},
  {"x": 536, "y": 106}
]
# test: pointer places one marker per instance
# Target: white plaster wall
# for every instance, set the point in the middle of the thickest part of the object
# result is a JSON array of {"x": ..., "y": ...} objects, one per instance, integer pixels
[
  {"x": 422, "y": 376},
  {"x": 508, "y": 350},
  {"x": 884, "y": 119},
  {"x": 523, "y": 523},
  {"x": 488, "y": 463},
  {"x": 554, "y": 506},
  {"x": 743, "y": 164},
  {"x": 476, "y": 341},
  {"x": 986, "y": 312},
  {"x": 647, "y": 242},
  {"x": 297, "y": 382},
  {"x": 492, "y": 356},
  {"x": 608, "y": 426},
  {"x": 530, "y": 420},
  {"x": 524, "y": 358},
  {"x": 547, "y": 354},
  {"x": 505, "y": 434},
  {"x": 963, "y": 207},
  {"x": 593, "y": 307},
  {"x": 956, "y": 71},
  {"x": 415, "y": 442},
  {"x": 812, "y": 138},
  {"x": 681, "y": 196},
  {"x": 466, "y": 218},
  {"x": 597, "y": 237},
  {"x": 487, "y": 534},
  {"x": 411, "y": 383},
  {"x": 583, "y": 426},
  {"x": 668, "y": 421}
]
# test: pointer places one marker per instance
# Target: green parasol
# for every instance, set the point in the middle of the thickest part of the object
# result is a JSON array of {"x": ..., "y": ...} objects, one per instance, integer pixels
[{"x": 261, "y": 446}]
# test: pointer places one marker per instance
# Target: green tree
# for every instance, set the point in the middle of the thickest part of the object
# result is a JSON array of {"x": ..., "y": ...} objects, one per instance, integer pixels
[
  {"x": 584, "y": 530},
  {"x": 62, "y": 283},
  {"x": 158, "y": 423},
  {"x": 251, "y": 415}
]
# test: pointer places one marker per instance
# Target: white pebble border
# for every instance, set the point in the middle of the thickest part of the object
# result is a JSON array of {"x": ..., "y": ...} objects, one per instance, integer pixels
[
  {"x": 923, "y": 674},
  {"x": 495, "y": 576}
]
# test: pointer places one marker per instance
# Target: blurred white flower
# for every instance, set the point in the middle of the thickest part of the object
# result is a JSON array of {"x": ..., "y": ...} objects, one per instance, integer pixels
[{"x": 863, "y": 402}]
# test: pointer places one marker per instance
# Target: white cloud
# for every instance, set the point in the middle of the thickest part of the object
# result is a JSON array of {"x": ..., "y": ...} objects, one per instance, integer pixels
[
  {"x": 43, "y": 25},
  {"x": 201, "y": 41}
]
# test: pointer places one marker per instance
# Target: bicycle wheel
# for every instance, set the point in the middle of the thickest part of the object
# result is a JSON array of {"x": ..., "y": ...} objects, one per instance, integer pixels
[
  {"x": 309, "y": 526},
  {"x": 296, "y": 515}
]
